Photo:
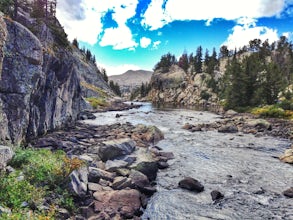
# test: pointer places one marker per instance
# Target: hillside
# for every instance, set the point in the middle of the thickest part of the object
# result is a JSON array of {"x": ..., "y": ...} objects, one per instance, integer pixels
[
  {"x": 258, "y": 74},
  {"x": 131, "y": 79}
]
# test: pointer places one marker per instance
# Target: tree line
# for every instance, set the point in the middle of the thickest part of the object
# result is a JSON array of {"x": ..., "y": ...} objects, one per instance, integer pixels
[
  {"x": 256, "y": 74},
  {"x": 38, "y": 8}
]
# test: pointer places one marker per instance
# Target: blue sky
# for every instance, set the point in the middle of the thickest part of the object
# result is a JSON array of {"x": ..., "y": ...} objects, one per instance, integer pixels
[{"x": 134, "y": 34}]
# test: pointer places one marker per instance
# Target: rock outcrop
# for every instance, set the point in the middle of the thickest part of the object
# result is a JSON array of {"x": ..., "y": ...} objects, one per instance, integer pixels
[
  {"x": 177, "y": 87},
  {"x": 43, "y": 83}
]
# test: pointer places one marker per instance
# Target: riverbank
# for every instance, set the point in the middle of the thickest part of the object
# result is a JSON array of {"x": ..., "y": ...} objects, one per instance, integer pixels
[
  {"x": 121, "y": 167},
  {"x": 124, "y": 153}
]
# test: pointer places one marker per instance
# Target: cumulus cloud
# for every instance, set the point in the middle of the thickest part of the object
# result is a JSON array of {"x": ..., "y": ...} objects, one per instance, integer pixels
[
  {"x": 83, "y": 19},
  {"x": 120, "y": 38},
  {"x": 247, "y": 30},
  {"x": 145, "y": 42},
  {"x": 156, "y": 16},
  {"x": 116, "y": 70},
  {"x": 78, "y": 21}
]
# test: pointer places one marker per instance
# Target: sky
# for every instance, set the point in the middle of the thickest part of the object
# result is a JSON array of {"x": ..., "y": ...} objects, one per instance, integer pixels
[{"x": 134, "y": 34}]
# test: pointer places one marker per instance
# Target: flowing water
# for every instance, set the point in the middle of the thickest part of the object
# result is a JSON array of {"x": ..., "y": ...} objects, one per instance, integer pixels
[{"x": 243, "y": 167}]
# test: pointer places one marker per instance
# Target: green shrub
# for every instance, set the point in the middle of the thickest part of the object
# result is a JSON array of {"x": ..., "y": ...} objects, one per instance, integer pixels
[
  {"x": 272, "y": 111},
  {"x": 39, "y": 173},
  {"x": 286, "y": 104},
  {"x": 96, "y": 102},
  {"x": 16, "y": 189},
  {"x": 205, "y": 95}
]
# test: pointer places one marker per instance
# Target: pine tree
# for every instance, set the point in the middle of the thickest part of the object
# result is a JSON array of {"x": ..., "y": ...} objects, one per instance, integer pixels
[
  {"x": 104, "y": 73},
  {"x": 75, "y": 43},
  {"x": 183, "y": 62},
  {"x": 198, "y": 60}
]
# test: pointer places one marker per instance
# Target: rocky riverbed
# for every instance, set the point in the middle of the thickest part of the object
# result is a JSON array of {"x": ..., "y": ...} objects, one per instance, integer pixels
[
  {"x": 122, "y": 165},
  {"x": 241, "y": 174},
  {"x": 148, "y": 163}
]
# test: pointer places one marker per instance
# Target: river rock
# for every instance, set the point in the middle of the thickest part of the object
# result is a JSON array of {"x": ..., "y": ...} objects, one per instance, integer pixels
[
  {"x": 288, "y": 156},
  {"x": 139, "y": 179},
  {"x": 6, "y": 154},
  {"x": 260, "y": 124},
  {"x": 116, "y": 148},
  {"x": 191, "y": 184},
  {"x": 288, "y": 192},
  {"x": 95, "y": 174},
  {"x": 149, "y": 169},
  {"x": 216, "y": 195},
  {"x": 228, "y": 129},
  {"x": 113, "y": 165},
  {"x": 163, "y": 165},
  {"x": 125, "y": 203},
  {"x": 76, "y": 185},
  {"x": 121, "y": 182}
]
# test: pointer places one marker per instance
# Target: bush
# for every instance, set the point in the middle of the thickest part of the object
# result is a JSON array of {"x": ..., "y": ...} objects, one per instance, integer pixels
[
  {"x": 39, "y": 173},
  {"x": 272, "y": 111},
  {"x": 96, "y": 102},
  {"x": 286, "y": 104},
  {"x": 15, "y": 190}
]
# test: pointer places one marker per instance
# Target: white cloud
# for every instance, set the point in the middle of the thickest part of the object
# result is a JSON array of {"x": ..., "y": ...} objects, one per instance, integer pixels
[
  {"x": 247, "y": 30},
  {"x": 117, "y": 70},
  {"x": 156, "y": 17},
  {"x": 145, "y": 42},
  {"x": 82, "y": 24},
  {"x": 156, "y": 45},
  {"x": 84, "y": 21},
  {"x": 120, "y": 38}
]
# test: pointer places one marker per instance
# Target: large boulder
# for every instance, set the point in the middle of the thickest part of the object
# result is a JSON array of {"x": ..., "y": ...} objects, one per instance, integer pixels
[
  {"x": 116, "y": 148},
  {"x": 6, "y": 154},
  {"x": 191, "y": 184},
  {"x": 287, "y": 157},
  {"x": 124, "y": 203}
]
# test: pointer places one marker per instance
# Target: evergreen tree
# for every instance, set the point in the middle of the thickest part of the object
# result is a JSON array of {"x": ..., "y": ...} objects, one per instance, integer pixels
[
  {"x": 88, "y": 55},
  {"x": 75, "y": 43},
  {"x": 104, "y": 73},
  {"x": 224, "y": 52},
  {"x": 183, "y": 62},
  {"x": 198, "y": 60},
  {"x": 165, "y": 63}
]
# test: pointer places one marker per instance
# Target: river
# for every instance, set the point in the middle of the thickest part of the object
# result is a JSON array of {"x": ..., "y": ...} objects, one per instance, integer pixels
[{"x": 243, "y": 167}]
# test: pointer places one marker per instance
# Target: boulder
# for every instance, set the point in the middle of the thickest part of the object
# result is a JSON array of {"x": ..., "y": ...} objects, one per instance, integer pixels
[
  {"x": 77, "y": 184},
  {"x": 191, "y": 184},
  {"x": 288, "y": 156},
  {"x": 216, "y": 195},
  {"x": 260, "y": 124},
  {"x": 139, "y": 179},
  {"x": 288, "y": 192},
  {"x": 6, "y": 154},
  {"x": 149, "y": 169},
  {"x": 121, "y": 182},
  {"x": 125, "y": 203},
  {"x": 116, "y": 148},
  {"x": 228, "y": 129},
  {"x": 113, "y": 165},
  {"x": 95, "y": 174}
]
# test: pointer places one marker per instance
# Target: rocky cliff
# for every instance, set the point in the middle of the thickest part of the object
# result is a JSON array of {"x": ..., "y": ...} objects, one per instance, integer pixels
[
  {"x": 42, "y": 82},
  {"x": 177, "y": 87}
]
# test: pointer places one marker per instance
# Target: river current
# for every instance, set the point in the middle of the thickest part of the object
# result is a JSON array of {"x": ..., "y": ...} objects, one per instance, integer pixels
[{"x": 243, "y": 167}]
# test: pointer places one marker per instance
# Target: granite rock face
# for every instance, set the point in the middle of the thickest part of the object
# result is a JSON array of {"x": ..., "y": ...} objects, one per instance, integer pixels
[
  {"x": 177, "y": 87},
  {"x": 42, "y": 83}
]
